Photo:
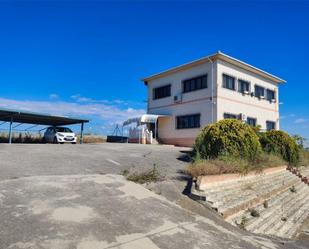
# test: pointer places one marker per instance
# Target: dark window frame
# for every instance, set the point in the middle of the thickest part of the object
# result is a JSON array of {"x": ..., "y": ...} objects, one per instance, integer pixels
[
  {"x": 195, "y": 123},
  {"x": 256, "y": 92},
  {"x": 228, "y": 115},
  {"x": 273, "y": 95},
  {"x": 226, "y": 76},
  {"x": 253, "y": 119},
  {"x": 191, "y": 84},
  {"x": 273, "y": 123},
  {"x": 241, "y": 83},
  {"x": 155, "y": 95}
]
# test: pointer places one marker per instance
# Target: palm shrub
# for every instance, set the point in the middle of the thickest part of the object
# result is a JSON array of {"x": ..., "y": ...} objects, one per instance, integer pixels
[
  {"x": 282, "y": 144},
  {"x": 228, "y": 137}
]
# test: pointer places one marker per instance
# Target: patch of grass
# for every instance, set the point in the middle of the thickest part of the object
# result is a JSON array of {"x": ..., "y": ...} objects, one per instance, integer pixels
[
  {"x": 92, "y": 139},
  {"x": 243, "y": 223},
  {"x": 152, "y": 175},
  {"x": 293, "y": 189},
  {"x": 209, "y": 167},
  {"x": 229, "y": 164},
  {"x": 254, "y": 212},
  {"x": 124, "y": 172},
  {"x": 265, "y": 204},
  {"x": 265, "y": 160},
  {"x": 304, "y": 158},
  {"x": 22, "y": 137}
]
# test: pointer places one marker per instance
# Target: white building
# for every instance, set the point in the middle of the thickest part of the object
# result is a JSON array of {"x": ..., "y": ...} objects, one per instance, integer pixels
[{"x": 204, "y": 91}]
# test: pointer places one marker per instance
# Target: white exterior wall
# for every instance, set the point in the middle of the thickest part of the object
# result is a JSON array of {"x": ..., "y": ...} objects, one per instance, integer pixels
[
  {"x": 199, "y": 102},
  {"x": 234, "y": 102},
  {"x": 192, "y": 103}
]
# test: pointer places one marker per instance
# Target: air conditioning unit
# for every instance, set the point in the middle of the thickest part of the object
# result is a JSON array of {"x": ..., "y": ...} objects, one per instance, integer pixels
[
  {"x": 178, "y": 98},
  {"x": 273, "y": 101},
  {"x": 246, "y": 92},
  {"x": 262, "y": 97}
]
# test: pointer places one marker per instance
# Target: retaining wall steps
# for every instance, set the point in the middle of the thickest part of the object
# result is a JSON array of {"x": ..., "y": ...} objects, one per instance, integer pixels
[{"x": 275, "y": 204}]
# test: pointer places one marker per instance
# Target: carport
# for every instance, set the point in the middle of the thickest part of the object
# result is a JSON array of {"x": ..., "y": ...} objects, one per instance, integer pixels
[{"x": 35, "y": 119}]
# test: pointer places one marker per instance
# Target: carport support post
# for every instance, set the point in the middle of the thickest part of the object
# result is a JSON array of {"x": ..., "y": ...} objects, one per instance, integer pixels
[
  {"x": 10, "y": 131},
  {"x": 155, "y": 130},
  {"x": 81, "y": 133}
]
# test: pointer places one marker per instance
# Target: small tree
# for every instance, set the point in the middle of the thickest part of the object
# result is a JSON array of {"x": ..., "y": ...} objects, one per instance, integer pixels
[{"x": 300, "y": 141}]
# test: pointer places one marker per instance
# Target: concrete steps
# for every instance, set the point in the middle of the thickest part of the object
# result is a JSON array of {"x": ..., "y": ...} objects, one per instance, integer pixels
[
  {"x": 271, "y": 203},
  {"x": 283, "y": 212},
  {"x": 283, "y": 216},
  {"x": 268, "y": 220}
]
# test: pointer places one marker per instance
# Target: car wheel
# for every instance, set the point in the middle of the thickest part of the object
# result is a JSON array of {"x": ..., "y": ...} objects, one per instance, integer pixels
[
  {"x": 74, "y": 143},
  {"x": 44, "y": 140},
  {"x": 55, "y": 140}
]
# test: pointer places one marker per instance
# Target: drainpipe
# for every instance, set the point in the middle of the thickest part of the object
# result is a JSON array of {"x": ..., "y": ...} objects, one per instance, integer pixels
[{"x": 212, "y": 90}]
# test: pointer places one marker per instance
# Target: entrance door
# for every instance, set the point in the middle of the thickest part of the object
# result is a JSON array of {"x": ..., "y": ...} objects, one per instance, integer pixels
[{"x": 154, "y": 128}]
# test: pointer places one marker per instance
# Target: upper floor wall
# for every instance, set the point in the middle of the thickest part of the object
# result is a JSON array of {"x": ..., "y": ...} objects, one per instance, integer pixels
[
  {"x": 248, "y": 98},
  {"x": 176, "y": 81}
]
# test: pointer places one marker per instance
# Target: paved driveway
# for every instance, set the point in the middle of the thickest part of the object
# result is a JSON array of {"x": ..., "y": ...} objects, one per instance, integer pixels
[
  {"x": 104, "y": 211},
  {"x": 19, "y": 160},
  {"x": 62, "y": 197}
]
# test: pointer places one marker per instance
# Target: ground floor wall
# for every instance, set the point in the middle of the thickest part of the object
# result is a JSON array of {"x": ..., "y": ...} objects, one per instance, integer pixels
[{"x": 168, "y": 133}]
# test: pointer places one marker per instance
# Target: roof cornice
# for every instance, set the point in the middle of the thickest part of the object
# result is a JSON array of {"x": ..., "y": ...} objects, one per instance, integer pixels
[{"x": 217, "y": 56}]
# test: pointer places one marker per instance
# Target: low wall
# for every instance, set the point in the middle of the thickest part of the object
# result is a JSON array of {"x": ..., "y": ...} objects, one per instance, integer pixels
[
  {"x": 185, "y": 142},
  {"x": 204, "y": 182}
]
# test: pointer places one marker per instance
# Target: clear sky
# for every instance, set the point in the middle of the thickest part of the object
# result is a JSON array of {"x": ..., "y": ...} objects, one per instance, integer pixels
[{"x": 87, "y": 58}]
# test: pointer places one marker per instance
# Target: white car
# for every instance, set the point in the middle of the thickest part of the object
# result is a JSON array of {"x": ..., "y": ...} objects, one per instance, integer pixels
[{"x": 59, "y": 135}]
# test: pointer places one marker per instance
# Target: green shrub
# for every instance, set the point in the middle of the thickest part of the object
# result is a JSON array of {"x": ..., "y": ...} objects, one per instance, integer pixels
[
  {"x": 254, "y": 212},
  {"x": 227, "y": 137},
  {"x": 304, "y": 158},
  {"x": 282, "y": 144}
]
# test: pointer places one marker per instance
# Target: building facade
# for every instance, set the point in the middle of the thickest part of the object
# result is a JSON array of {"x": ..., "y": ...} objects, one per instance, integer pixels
[{"x": 193, "y": 95}]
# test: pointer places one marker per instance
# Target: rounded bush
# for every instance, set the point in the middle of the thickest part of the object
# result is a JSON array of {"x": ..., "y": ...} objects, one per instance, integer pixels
[
  {"x": 227, "y": 137},
  {"x": 282, "y": 144}
]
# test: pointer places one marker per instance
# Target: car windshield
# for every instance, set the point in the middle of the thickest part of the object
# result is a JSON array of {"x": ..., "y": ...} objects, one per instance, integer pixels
[{"x": 62, "y": 129}]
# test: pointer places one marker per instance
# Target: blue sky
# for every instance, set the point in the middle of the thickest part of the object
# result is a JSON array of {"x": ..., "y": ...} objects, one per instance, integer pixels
[{"x": 87, "y": 58}]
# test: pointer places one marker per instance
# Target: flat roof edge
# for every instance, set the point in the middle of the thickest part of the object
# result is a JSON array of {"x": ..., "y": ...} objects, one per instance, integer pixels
[{"x": 213, "y": 57}]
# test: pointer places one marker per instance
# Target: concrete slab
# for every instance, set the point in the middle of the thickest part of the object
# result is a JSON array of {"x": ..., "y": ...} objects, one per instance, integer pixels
[
  {"x": 104, "y": 211},
  {"x": 19, "y": 160}
]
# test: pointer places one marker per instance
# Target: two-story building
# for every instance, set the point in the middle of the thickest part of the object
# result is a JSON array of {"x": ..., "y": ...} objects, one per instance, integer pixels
[{"x": 188, "y": 97}]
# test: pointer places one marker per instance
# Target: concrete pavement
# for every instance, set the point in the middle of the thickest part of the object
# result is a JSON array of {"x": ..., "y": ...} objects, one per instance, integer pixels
[
  {"x": 105, "y": 211},
  {"x": 70, "y": 196}
]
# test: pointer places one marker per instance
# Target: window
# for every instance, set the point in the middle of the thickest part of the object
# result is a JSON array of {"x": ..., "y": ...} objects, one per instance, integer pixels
[
  {"x": 229, "y": 116},
  {"x": 251, "y": 121},
  {"x": 228, "y": 82},
  {"x": 270, "y": 125},
  {"x": 259, "y": 91},
  {"x": 243, "y": 86},
  {"x": 270, "y": 95},
  {"x": 194, "y": 84},
  {"x": 162, "y": 92},
  {"x": 188, "y": 121},
  {"x": 63, "y": 129}
]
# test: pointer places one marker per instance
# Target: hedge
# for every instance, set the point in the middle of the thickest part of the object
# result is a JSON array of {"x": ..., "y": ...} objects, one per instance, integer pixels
[
  {"x": 227, "y": 137},
  {"x": 282, "y": 144}
]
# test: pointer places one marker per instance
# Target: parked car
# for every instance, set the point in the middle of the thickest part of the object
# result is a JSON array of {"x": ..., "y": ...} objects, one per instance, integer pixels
[{"x": 59, "y": 135}]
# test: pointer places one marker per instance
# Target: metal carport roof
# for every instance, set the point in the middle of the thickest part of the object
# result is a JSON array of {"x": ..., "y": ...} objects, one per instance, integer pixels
[
  {"x": 25, "y": 117},
  {"x": 37, "y": 118}
]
